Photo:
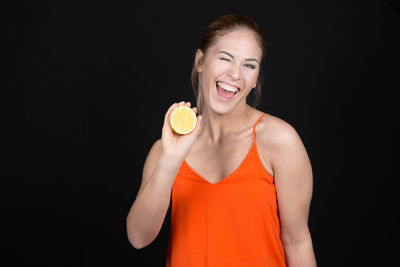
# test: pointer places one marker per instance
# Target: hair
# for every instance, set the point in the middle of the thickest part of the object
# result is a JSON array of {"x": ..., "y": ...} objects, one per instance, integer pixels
[{"x": 218, "y": 28}]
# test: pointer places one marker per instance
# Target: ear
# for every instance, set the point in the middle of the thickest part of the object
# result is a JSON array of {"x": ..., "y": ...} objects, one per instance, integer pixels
[{"x": 199, "y": 60}]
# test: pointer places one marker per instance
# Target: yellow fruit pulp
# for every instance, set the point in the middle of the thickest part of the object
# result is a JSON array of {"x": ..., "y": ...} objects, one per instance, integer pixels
[{"x": 183, "y": 120}]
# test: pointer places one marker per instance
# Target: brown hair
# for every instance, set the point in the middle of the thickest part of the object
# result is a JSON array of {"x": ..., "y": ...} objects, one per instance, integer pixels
[{"x": 217, "y": 28}]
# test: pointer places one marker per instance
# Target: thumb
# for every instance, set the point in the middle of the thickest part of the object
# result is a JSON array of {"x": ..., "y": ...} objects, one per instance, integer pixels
[{"x": 199, "y": 123}]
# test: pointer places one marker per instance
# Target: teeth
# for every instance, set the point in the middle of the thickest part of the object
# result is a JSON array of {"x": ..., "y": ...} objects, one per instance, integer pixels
[{"x": 227, "y": 87}]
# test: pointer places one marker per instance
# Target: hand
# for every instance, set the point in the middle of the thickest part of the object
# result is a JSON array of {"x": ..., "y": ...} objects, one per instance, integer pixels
[{"x": 174, "y": 144}]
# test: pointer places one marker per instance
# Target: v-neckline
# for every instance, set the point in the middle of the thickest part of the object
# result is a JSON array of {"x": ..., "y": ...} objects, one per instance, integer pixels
[
  {"x": 235, "y": 170},
  {"x": 253, "y": 145},
  {"x": 226, "y": 177}
]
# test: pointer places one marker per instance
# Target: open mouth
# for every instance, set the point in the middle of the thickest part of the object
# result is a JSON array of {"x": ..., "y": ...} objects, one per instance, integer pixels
[{"x": 226, "y": 92}]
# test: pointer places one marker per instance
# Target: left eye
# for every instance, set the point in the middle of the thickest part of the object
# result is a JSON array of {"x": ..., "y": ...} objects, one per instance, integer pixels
[
  {"x": 250, "y": 66},
  {"x": 226, "y": 59}
]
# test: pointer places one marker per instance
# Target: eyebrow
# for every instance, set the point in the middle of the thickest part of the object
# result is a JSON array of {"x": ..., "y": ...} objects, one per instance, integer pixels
[{"x": 247, "y": 59}]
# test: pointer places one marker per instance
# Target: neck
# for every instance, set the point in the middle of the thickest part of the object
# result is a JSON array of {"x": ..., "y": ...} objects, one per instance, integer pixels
[{"x": 218, "y": 126}]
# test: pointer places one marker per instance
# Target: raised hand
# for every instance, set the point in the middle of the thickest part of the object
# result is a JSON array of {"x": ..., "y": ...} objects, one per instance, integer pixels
[{"x": 174, "y": 144}]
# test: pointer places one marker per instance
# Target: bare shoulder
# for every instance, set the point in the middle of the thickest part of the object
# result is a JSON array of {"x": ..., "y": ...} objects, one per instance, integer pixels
[
  {"x": 274, "y": 132},
  {"x": 279, "y": 144}
]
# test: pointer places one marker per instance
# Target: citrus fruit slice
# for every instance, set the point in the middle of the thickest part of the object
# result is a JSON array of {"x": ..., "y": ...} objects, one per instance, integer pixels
[{"x": 183, "y": 120}]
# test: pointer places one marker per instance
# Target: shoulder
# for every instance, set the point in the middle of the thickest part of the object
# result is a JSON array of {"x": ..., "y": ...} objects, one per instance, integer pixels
[
  {"x": 281, "y": 149},
  {"x": 279, "y": 144},
  {"x": 274, "y": 132}
]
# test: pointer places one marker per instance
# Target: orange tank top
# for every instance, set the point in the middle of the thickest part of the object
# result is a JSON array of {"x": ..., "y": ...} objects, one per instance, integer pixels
[{"x": 231, "y": 223}]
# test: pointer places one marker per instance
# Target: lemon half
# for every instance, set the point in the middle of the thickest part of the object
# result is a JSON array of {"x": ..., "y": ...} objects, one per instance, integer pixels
[{"x": 183, "y": 120}]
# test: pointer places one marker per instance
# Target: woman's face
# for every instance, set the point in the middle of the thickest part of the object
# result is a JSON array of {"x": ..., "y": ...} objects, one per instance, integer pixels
[{"x": 229, "y": 70}]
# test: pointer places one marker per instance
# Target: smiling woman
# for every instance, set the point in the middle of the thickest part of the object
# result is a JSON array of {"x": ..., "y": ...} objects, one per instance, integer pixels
[
  {"x": 241, "y": 181},
  {"x": 231, "y": 61},
  {"x": 222, "y": 26}
]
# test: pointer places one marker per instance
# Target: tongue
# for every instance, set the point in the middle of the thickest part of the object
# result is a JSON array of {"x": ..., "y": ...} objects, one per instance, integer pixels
[{"x": 225, "y": 94}]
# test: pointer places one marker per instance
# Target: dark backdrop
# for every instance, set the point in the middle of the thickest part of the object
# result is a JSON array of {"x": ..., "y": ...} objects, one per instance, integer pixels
[{"x": 85, "y": 87}]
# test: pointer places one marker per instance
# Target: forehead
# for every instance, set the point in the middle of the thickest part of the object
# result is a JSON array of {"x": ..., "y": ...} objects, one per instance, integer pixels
[{"x": 241, "y": 42}]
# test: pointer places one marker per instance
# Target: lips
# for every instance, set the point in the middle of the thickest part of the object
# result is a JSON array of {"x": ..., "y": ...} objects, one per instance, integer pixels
[{"x": 226, "y": 92}]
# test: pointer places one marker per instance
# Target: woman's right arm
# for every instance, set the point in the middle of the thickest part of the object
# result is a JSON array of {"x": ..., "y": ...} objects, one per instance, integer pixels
[{"x": 147, "y": 214}]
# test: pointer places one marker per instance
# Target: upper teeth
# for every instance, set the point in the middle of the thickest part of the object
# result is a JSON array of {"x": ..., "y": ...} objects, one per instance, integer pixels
[{"x": 227, "y": 87}]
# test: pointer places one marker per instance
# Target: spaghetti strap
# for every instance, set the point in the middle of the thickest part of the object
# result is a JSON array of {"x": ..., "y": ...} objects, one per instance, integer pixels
[{"x": 254, "y": 127}]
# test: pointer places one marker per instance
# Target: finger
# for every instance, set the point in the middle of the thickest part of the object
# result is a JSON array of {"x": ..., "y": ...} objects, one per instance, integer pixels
[
  {"x": 198, "y": 124},
  {"x": 181, "y": 103},
  {"x": 188, "y": 104},
  {"x": 169, "y": 111},
  {"x": 194, "y": 110},
  {"x": 172, "y": 107}
]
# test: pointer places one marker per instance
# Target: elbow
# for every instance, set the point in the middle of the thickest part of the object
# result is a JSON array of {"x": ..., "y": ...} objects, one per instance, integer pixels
[
  {"x": 135, "y": 237},
  {"x": 135, "y": 243},
  {"x": 132, "y": 237}
]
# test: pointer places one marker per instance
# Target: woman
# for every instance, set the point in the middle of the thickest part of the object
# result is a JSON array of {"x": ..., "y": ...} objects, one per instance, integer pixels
[{"x": 241, "y": 182}]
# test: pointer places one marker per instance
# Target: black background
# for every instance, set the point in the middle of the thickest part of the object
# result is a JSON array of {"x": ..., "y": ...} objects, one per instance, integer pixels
[{"x": 85, "y": 86}]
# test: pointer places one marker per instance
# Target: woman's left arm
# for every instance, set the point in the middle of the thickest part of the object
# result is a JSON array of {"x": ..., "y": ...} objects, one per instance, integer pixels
[{"x": 294, "y": 184}]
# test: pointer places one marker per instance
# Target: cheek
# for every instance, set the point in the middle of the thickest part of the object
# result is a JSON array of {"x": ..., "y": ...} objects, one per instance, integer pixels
[
  {"x": 217, "y": 68},
  {"x": 211, "y": 72},
  {"x": 251, "y": 78}
]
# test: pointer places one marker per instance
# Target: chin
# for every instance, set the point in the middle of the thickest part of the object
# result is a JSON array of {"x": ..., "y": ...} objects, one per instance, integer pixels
[{"x": 220, "y": 107}]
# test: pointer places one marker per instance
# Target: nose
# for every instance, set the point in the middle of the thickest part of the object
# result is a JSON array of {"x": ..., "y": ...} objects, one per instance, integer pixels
[{"x": 235, "y": 71}]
